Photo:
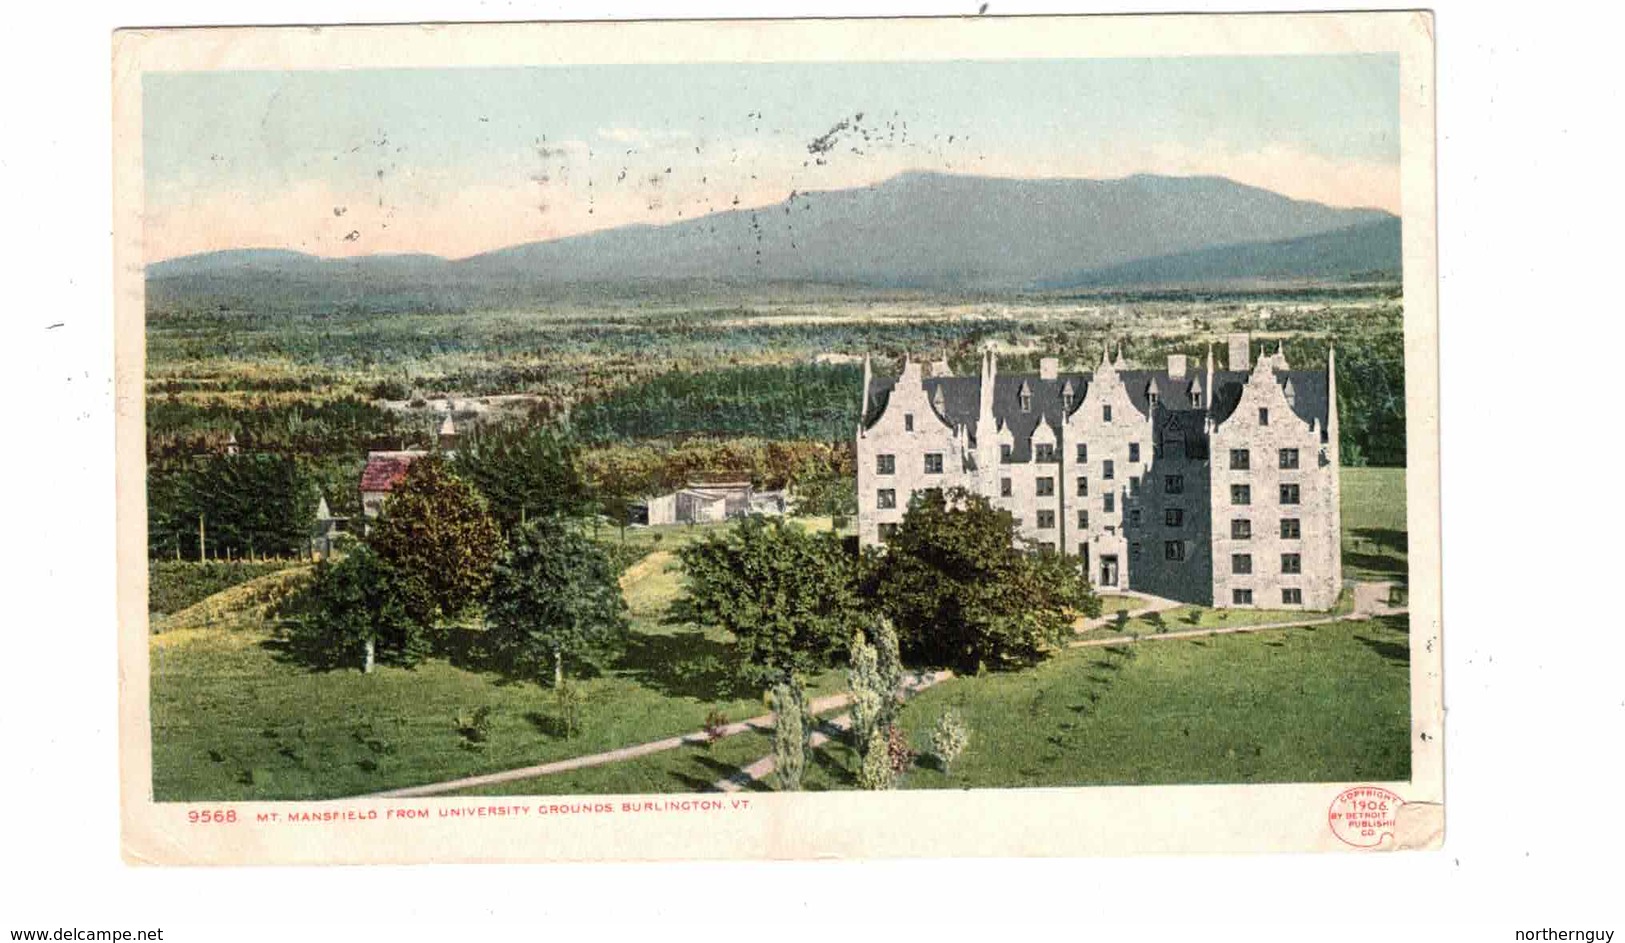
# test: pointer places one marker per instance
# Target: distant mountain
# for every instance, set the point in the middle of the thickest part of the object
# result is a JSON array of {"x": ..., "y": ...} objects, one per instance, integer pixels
[
  {"x": 1369, "y": 249},
  {"x": 915, "y": 231}
]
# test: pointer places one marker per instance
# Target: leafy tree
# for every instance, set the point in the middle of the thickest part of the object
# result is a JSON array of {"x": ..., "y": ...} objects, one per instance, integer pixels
[
  {"x": 788, "y": 596},
  {"x": 964, "y": 595},
  {"x": 875, "y": 771},
  {"x": 555, "y": 598},
  {"x": 523, "y": 472},
  {"x": 438, "y": 534},
  {"x": 352, "y": 614}
]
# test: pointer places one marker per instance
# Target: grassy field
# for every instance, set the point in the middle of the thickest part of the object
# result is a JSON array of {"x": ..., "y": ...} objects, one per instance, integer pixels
[
  {"x": 233, "y": 718},
  {"x": 1374, "y": 528},
  {"x": 1311, "y": 704},
  {"x": 1296, "y": 705}
]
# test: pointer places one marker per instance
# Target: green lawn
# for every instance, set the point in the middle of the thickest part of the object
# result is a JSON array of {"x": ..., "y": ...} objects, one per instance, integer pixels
[
  {"x": 234, "y": 719},
  {"x": 1313, "y": 704},
  {"x": 1374, "y": 528}
]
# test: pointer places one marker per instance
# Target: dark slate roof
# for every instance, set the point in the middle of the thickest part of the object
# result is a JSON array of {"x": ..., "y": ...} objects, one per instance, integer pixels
[{"x": 962, "y": 398}]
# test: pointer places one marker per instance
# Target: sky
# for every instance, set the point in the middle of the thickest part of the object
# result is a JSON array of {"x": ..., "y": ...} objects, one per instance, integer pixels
[{"x": 455, "y": 162}]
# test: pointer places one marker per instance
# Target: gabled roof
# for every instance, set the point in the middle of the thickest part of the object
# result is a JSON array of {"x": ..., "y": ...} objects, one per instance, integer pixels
[
  {"x": 961, "y": 398},
  {"x": 386, "y": 469}
]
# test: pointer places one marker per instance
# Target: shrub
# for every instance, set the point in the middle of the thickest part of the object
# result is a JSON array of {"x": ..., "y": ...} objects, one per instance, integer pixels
[
  {"x": 715, "y": 721},
  {"x": 474, "y": 728},
  {"x": 875, "y": 772},
  {"x": 949, "y": 738},
  {"x": 898, "y": 751},
  {"x": 567, "y": 700}
]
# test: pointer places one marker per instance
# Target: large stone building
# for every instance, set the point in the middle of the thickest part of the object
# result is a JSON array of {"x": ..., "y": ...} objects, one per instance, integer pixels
[{"x": 1217, "y": 487}]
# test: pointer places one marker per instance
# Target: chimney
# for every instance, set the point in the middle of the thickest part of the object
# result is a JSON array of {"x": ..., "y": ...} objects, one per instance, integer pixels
[
  {"x": 1176, "y": 366},
  {"x": 1238, "y": 359},
  {"x": 1049, "y": 368}
]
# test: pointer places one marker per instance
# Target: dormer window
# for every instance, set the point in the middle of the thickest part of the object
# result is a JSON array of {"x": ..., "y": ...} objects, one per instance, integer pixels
[
  {"x": 939, "y": 401},
  {"x": 1151, "y": 394},
  {"x": 1066, "y": 397},
  {"x": 1026, "y": 397}
]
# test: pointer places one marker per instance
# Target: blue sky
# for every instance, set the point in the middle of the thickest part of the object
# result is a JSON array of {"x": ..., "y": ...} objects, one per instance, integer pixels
[{"x": 455, "y": 161}]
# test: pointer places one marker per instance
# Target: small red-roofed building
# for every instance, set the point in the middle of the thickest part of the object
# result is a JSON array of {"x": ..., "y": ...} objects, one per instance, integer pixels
[{"x": 383, "y": 473}]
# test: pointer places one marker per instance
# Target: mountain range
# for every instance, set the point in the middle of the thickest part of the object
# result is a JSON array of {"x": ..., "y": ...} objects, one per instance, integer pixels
[{"x": 916, "y": 231}]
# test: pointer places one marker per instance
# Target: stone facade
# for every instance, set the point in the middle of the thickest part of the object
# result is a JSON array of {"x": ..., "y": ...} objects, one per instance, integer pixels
[{"x": 1140, "y": 473}]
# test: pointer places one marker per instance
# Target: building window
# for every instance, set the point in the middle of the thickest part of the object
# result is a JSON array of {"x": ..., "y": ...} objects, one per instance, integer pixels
[
  {"x": 1241, "y": 494},
  {"x": 1047, "y": 546},
  {"x": 1108, "y": 470},
  {"x": 1044, "y": 452},
  {"x": 1046, "y": 520},
  {"x": 1289, "y": 458},
  {"x": 1241, "y": 563},
  {"x": 1240, "y": 459},
  {"x": 1026, "y": 400},
  {"x": 1173, "y": 484},
  {"x": 1046, "y": 487},
  {"x": 1291, "y": 563},
  {"x": 1134, "y": 549},
  {"x": 1241, "y": 597},
  {"x": 1106, "y": 413},
  {"x": 1289, "y": 528},
  {"x": 1134, "y": 485},
  {"x": 1066, "y": 399},
  {"x": 1263, "y": 416},
  {"x": 1241, "y": 529},
  {"x": 1196, "y": 399},
  {"x": 908, "y": 422},
  {"x": 1173, "y": 550},
  {"x": 1134, "y": 516},
  {"x": 933, "y": 463},
  {"x": 1004, "y": 488},
  {"x": 1006, "y": 453},
  {"x": 1173, "y": 517},
  {"x": 888, "y": 531},
  {"x": 1083, "y": 520},
  {"x": 1134, "y": 451},
  {"x": 886, "y": 498},
  {"x": 1109, "y": 502},
  {"x": 885, "y": 464},
  {"x": 1291, "y": 597},
  {"x": 1083, "y": 453},
  {"x": 1151, "y": 396},
  {"x": 1083, "y": 486},
  {"x": 1289, "y": 494}
]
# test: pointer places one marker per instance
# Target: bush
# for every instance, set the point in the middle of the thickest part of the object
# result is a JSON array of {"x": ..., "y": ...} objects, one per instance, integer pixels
[
  {"x": 715, "y": 721},
  {"x": 949, "y": 738},
  {"x": 876, "y": 772},
  {"x": 474, "y": 728}
]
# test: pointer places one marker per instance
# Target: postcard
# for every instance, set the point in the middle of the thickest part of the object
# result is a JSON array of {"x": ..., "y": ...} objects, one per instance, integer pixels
[{"x": 765, "y": 439}]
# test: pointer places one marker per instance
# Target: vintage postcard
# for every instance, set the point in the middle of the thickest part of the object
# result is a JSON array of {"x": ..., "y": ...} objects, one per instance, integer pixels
[{"x": 832, "y": 438}]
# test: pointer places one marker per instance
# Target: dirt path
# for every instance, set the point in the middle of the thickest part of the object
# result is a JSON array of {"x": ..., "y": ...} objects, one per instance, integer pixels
[{"x": 1370, "y": 601}]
